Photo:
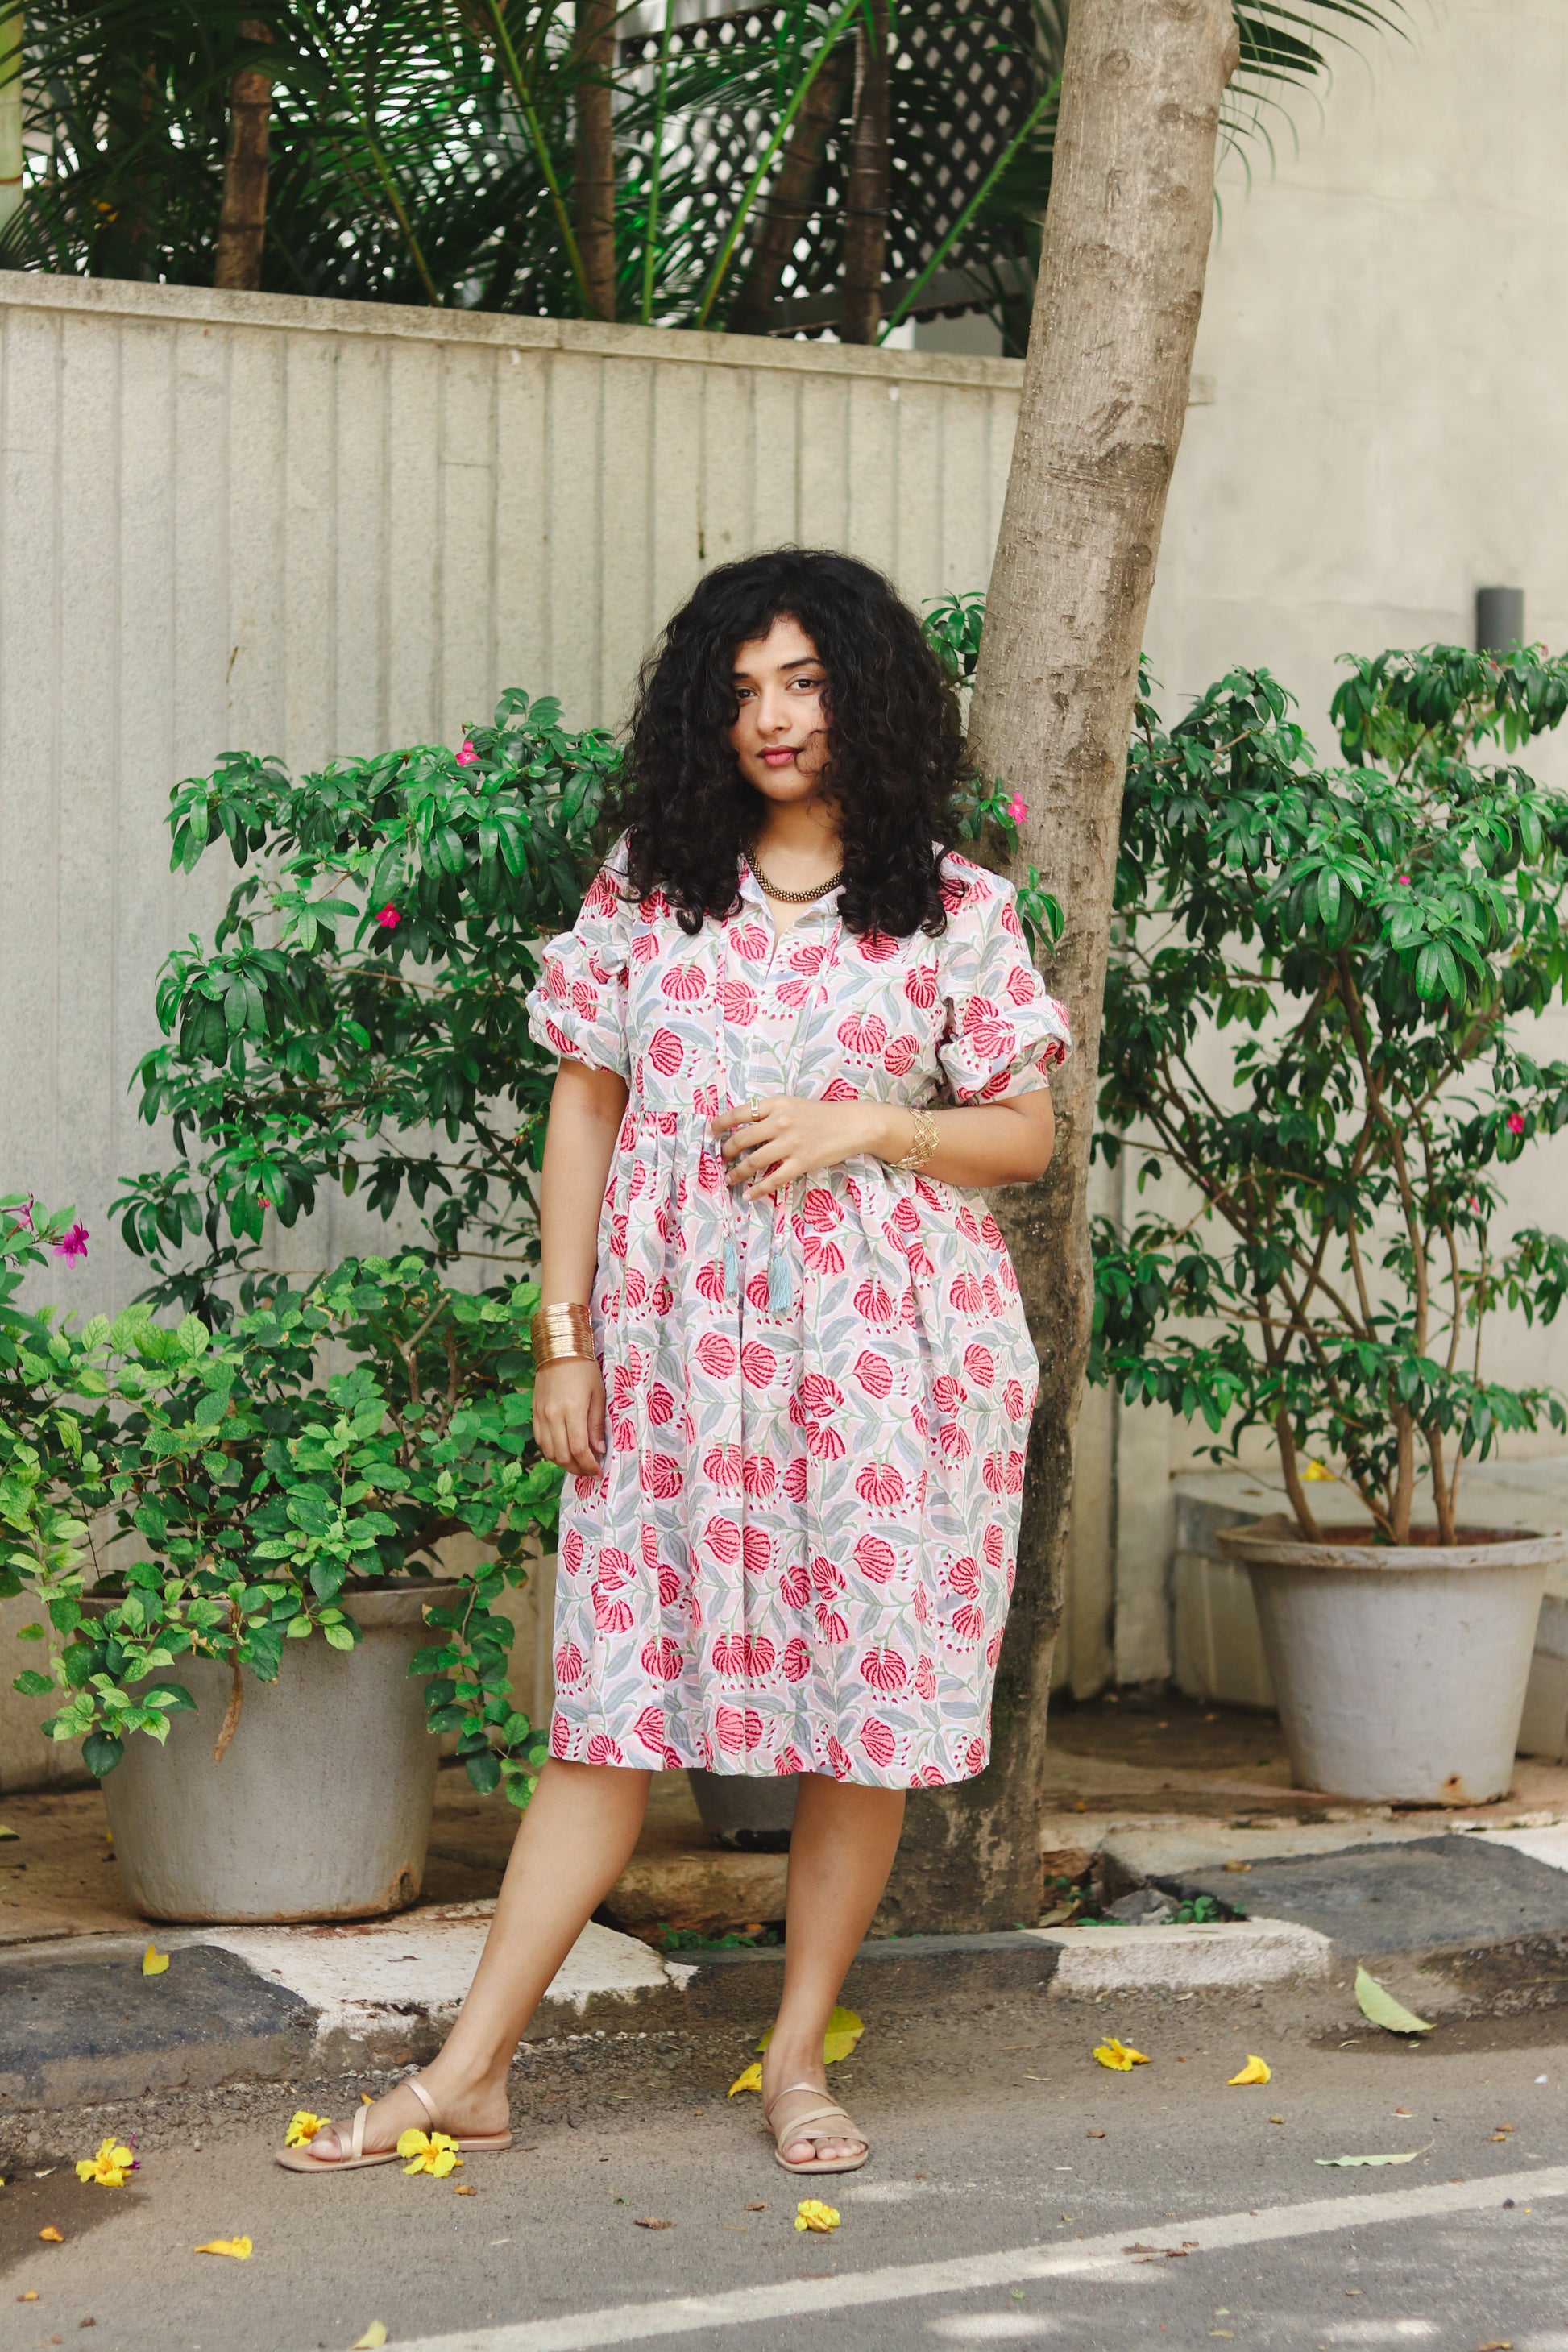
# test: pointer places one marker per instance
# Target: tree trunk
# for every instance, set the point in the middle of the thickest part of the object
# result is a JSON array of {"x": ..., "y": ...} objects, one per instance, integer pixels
[
  {"x": 1104, "y": 401},
  {"x": 242, "y": 224},
  {"x": 866, "y": 206},
  {"x": 593, "y": 189},
  {"x": 788, "y": 206}
]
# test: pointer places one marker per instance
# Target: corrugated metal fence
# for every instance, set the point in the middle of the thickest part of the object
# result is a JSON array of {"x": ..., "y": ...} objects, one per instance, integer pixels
[{"x": 318, "y": 529}]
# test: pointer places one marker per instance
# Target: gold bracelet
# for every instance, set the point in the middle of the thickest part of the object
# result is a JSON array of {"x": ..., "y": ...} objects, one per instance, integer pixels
[
  {"x": 563, "y": 1333},
  {"x": 927, "y": 1137}
]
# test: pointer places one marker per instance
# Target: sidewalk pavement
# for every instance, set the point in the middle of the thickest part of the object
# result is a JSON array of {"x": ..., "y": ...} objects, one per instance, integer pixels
[{"x": 1456, "y": 1915}]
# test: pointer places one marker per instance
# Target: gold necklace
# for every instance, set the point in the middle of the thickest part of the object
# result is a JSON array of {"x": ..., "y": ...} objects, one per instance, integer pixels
[{"x": 792, "y": 897}]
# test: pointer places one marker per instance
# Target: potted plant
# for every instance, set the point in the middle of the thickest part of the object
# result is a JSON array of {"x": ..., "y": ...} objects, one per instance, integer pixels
[
  {"x": 282, "y": 1594},
  {"x": 1369, "y": 940}
]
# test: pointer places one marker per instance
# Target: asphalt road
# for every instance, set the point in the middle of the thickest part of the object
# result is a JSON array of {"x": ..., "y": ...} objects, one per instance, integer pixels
[{"x": 1010, "y": 2176}]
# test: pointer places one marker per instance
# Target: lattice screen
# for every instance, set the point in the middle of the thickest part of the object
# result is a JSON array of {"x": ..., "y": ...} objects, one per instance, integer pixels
[{"x": 963, "y": 77}]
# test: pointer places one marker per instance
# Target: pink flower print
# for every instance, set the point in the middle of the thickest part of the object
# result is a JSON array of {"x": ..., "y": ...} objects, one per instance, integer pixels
[
  {"x": 1017, "y": 808},
  {"x": 874, "y": 1557},
  {"x": 796, "y": 1663},
  {"x": 885, "y": 1670},
  {"x": 650, "y": 1728},
  {"x": 880, "y": 1742},
  {"x": 73, "y": 1244},
  {"x": 466, "y": 756},
  {"x": 389, "y": 917},
  {"x": 1515, "y": 1127}
]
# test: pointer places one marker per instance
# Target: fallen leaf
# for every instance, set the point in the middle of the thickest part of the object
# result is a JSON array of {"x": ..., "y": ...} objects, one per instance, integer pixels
[
  {"x": 760, "y": 2207},
  {"x": 1119, "y": 2057},
  {"x": 154, "y": 1962},
  {"x": 811, "y": 2213},
  {"x": 1236, "y": 1868},
  {"x": 844, "y": 2031},
  {"x": 1257, "y": 2070},
  {"x": 1408, "y": 2159},
  {"x": 5, "y": 1833},
  {"x": 32, "y": 2294},
  {"x": 240, "y": 2249},
  {"x": 652, "y": 2221},
  {"x": 1380, "y": 2007},
  {"x": 52, "y": 2237},
  {"x": 1094, "y": 2134},
  {"x": 373, "y": 2339},
  {"x": 463, "y": 2189},
  {"x": 1276, "y": 2120},
  {"x": 751, "y": 2080},
  {"x": 1496, "y": 2344}
]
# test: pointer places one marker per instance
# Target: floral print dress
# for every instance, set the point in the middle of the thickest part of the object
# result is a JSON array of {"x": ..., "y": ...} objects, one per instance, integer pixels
[{"x": 799, "y": 1553}]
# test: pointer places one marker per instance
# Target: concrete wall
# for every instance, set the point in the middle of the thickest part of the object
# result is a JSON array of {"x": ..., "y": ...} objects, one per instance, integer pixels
[{"x": 321, "y": 529}]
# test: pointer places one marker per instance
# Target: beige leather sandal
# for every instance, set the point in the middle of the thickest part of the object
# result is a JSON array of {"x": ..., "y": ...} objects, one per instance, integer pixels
[
  {"x": 826, "y": 2120},
  {"x": 352, "y": 2137}
]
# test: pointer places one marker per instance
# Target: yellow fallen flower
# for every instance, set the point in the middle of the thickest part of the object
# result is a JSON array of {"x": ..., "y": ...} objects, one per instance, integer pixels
[
  {"x": 154, "y": 1962},
  {"x": 431, "y": 2152},
  {"x": 811, "y": 2213},
  {"x": 304, "y": 2126},
  {"x": 239, "y": 2248},
  {"x": 844, "y": 2031},
  {"x": 1256, "y": 2070},
  {"x": 1119, "y": 2057},
  {"x": 108, "y": 2168},
  {"x": 373, "y": 2339},
  {"x": 51, "y": 2236},
  {"x": 752, "y": 2080}
]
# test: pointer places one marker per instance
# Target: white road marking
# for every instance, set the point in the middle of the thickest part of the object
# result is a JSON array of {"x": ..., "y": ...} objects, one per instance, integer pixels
[{"x": 1102, "y": 2257}]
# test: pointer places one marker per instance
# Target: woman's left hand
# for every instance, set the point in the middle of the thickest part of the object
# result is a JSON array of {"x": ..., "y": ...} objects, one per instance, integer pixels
[{"x": 787, "y": 1137}]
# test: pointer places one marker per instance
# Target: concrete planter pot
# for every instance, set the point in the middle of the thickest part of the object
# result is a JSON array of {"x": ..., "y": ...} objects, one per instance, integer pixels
[
  {"x": 319, "y": 1809},
  {"x": 1400, "y": 1671},
  {"x": 756, "y": 1816}
]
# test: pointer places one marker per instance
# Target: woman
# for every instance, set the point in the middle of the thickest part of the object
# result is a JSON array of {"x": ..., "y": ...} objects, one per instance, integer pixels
[{"x": 782, "y": 1352}]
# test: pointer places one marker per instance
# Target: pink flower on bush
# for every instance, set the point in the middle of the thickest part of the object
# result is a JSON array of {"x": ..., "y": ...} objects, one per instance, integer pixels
[
  {"x": 1402, "y": 878},
  {"x": 467, "y": 757},
  {"x": 1017, "y": 808},
  {"x": 389, "y": 919},
  {"x": 1516, "y": 1122},
  {"x": 74, "y": 1244}
]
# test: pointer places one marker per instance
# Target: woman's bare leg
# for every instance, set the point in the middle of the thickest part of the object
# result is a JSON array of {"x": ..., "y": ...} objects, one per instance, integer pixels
[
  {"x": 840, "y": 1857},
  {"x": 572, "y": 1846}
]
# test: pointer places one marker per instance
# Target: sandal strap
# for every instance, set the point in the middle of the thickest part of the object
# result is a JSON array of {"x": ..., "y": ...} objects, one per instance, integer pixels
[
  {"x": 412, "y": 2082},
  {"x": 356, "y": 2134},
  {"x": 816, "y": 2122}
]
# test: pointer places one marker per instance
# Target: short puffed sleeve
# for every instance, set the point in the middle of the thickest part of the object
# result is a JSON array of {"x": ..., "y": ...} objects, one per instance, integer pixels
[
  {"x": 1003, "y": 1033},
  {"x": 578, "y": 1005}
]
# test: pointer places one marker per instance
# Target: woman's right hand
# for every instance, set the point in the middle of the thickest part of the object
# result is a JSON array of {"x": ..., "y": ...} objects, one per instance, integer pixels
[{"x": 569, "y": 1414}]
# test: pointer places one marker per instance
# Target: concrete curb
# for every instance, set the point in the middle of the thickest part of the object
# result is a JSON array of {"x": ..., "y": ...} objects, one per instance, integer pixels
[{"x": 80, "y": 2023}]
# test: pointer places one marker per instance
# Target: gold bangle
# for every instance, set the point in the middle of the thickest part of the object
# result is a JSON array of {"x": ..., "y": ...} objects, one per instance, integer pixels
[
  {"x": 927, "y": 1137},
  {"x": 561, "y": 1333}
]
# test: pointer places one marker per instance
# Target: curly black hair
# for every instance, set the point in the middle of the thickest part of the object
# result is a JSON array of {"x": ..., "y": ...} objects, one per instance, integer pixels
[{"x": 896, "y": 759}]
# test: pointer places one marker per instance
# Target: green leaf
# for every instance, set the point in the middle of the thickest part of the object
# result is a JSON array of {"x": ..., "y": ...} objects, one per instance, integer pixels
[
  {"x": 101, "y": 1752},
  {"x": 1381, "y": 2008},
  {"x": 33, "y": 1685}
]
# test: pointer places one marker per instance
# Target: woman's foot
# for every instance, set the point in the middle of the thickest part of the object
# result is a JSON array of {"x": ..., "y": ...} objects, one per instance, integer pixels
[
  {"x": 797, "y": 2097},
  {"x": 461, "y": 2108}
]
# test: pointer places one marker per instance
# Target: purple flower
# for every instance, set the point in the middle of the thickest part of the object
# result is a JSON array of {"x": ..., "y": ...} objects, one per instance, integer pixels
[
  {"x": 389, "y": 919},
  {"x": 467, "y": 757},
  {"x": 75, "y": 1242},
  {"x": 25, "y": 1218},
  {"x": 1516, "y": 1122}
]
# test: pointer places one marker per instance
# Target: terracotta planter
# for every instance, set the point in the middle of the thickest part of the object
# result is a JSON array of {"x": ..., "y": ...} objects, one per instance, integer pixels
[
  {"x": 1399, "y": 1671},
  {"x": 319, "y": 1809}
]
